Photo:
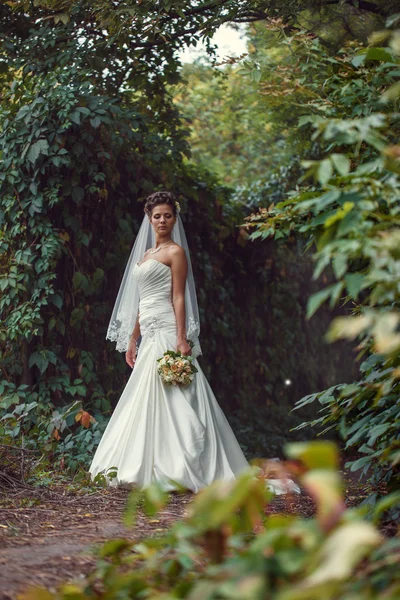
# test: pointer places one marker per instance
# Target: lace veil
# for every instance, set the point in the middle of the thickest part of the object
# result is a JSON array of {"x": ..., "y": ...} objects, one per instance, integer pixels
[{"x": 126, "y": 306}]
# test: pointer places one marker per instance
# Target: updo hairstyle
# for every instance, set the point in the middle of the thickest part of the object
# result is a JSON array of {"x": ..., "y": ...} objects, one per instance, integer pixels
[{"x": 160, "y": 198}]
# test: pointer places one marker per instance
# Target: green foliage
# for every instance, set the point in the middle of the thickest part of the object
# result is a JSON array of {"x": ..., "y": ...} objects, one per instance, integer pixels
[
  {"x": 88, "y": 130},
  {"x": 349, "y": 217},
  {"x": 79, "y": 156},
  {"x": 157, "y": 25},
  {"x": 368, "y": 418},
  {"x": 59, "y": 161},
  {"x": 28, "y": 415},
  {"x": 227, "y": 547},
  {"x": 75, "y": 158},
  {"x": 229, "y": 132}
]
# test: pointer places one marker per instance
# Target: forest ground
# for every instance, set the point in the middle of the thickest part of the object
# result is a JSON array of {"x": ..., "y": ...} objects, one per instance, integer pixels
[{"x": 48, "y": 535}]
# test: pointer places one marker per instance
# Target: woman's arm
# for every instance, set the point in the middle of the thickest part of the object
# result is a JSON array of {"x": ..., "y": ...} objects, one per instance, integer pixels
[
  {"x": 179, "y": 269},
  {"x": 130, "y": 355}
]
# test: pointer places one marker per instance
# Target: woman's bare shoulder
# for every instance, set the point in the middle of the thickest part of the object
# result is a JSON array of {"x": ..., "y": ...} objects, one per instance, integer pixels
[
  {"x": 177, "y": 250},
  {"x": 177, "y": 255}
]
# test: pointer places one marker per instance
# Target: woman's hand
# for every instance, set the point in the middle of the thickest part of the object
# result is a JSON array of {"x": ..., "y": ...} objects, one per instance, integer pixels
[
  {"x": 130, "y": 355},
  {"x": 184, "y": 348}
]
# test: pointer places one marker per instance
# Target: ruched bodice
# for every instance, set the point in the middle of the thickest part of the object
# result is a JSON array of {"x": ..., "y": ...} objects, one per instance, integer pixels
[{"x": 155, "y": 290}]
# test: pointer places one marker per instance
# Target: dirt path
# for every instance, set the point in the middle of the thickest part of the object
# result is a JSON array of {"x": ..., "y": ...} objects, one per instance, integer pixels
[
  {"x": 53, "y": 542},
  {"x": 49, "y": 536}
]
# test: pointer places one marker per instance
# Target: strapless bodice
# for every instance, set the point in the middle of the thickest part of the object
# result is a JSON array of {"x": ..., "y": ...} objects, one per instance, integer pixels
[{"x": 155, "y": 292}]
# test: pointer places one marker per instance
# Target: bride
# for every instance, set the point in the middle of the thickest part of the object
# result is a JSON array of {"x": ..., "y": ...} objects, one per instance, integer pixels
[{"x": 165, "y": 434}]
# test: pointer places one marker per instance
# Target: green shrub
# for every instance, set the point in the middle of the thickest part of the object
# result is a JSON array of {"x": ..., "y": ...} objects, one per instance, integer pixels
[{"x": 347, "y": 206}]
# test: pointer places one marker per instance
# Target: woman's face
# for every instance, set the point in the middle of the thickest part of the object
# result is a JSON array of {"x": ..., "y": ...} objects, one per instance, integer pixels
[{"x": 162, "y": 219}]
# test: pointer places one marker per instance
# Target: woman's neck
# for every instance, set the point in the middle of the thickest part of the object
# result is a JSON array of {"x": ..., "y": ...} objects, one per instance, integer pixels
[{"x": 162, "y": 239}]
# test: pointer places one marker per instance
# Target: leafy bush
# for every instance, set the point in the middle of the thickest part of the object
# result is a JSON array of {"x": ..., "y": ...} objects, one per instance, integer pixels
[
  {"x": 367, "y": 416},
  {"x": 350, "y": 219},
  {"x": 66, "y": 435}
]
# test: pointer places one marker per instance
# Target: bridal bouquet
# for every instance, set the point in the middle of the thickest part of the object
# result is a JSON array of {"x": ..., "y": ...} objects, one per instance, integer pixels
[{"x": 176, "y": 369}]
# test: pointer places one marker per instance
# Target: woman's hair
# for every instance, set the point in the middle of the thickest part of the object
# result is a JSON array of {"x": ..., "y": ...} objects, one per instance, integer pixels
[{"x": 160, "y": 198}]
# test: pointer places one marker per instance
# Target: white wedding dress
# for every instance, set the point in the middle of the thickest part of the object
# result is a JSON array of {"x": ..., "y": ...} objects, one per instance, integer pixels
[{"x": 161, "y": 433}]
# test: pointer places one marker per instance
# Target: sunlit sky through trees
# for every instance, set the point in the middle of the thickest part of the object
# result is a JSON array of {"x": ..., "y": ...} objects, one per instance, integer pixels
[{"x": 229, "y": 42}]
